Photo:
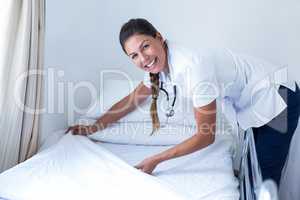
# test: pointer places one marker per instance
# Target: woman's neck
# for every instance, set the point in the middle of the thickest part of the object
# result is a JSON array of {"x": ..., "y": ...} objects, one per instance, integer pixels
[{"x": 166, "y": 69}]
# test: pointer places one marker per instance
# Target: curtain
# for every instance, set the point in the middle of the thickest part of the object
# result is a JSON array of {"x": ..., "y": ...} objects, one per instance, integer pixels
[{"x": 21, "y": 60}]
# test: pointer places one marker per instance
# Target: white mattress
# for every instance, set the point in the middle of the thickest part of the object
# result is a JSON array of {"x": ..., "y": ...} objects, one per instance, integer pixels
[
  {"x": 74, "y": 165},
  {"x": 206, "y": 174}
]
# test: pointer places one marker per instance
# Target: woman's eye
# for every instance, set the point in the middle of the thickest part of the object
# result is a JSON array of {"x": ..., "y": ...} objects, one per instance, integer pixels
[
  {"x": 133, "y": 56},
  {"x": 146, "y": 46}
]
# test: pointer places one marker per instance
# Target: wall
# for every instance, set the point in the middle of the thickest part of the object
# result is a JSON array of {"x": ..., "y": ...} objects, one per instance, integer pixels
[{"x": 82, "y": 41}]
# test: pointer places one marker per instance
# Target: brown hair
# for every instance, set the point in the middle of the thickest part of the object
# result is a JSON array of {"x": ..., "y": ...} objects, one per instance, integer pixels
[
  {"x": 136, "y": 26},
  {"x": 154, "y": 78},
  {"x": 142, "y": 26}
]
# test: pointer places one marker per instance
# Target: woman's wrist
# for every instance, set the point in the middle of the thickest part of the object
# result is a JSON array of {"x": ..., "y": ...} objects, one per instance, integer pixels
[
  {"x": 159, "y": 158},
  {"x": 95, "y": 127}
]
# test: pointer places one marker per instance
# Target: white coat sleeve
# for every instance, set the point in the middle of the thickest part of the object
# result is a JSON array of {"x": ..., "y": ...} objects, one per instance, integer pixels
[{"x": 203, "y": 82}]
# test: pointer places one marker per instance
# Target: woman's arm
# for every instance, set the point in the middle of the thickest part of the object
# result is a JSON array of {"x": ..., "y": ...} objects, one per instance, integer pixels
[
  {"x": 124, "y": 106},
  {"x": 116, "y": 112},
  {"x": 206, "y": 123}
]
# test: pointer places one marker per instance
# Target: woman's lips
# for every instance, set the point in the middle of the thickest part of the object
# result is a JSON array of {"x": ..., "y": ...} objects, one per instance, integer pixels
[{"x": 151, "y": 64}]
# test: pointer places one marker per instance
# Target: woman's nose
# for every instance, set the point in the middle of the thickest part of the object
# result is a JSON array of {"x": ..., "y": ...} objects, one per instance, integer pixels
[{"x": 144, "y": 58}]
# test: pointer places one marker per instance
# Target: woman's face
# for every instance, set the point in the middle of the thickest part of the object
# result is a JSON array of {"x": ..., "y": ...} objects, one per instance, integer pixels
[{"x": 147, "y": 52}]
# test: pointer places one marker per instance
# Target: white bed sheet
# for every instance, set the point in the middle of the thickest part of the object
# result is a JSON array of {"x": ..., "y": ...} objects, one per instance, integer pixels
[
  {"x": 205, "y": 175},
  {"x": 76, "y": 168}
]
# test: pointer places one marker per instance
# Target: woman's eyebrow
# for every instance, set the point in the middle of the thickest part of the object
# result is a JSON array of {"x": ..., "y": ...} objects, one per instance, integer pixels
[{"x": 139, "y": 46}]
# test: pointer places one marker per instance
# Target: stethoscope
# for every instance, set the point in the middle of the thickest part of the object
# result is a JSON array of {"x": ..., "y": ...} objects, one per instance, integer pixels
[{"x": 170, "y": 110}]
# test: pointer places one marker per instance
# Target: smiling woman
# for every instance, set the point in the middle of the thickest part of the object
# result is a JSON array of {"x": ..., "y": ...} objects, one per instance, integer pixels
[
  {"x": 147, "y": 52},
  {"x": 250, "y": 96}
]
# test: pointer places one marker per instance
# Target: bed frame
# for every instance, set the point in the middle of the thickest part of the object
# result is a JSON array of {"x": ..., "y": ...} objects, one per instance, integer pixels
[{"x": 251, "y": 185}]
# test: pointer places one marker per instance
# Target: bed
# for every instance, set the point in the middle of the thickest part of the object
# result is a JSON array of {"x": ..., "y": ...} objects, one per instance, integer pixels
[
  {"x": 76, "y": 167},
  {"x": 101, "y": 166}
]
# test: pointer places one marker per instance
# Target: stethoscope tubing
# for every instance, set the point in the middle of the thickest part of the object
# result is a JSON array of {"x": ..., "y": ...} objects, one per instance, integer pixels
[{"x": 167, "y": 94}]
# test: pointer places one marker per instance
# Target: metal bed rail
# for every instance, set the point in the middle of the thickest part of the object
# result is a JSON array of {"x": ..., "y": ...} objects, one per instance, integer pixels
[{"x": 252, "y": 186}]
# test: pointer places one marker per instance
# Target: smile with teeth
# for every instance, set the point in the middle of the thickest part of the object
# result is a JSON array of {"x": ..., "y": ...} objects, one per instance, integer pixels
[{"x": 151, "y": 64}]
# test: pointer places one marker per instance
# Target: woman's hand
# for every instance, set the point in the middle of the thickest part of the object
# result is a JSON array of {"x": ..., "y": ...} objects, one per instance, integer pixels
[
  {"x": 82, "y": 129},
  {"x": 148, "y": 165}
]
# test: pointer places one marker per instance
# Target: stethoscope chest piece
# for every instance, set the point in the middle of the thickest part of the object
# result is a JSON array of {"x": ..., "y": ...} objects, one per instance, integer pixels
[{"x": 170, "y": 112}]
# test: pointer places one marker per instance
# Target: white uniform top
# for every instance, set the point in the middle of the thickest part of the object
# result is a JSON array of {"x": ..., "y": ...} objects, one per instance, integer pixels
[{"x": 246, "y": 86}]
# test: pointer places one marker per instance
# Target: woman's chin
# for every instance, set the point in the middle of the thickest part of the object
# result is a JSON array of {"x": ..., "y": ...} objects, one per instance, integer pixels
[{"x": 155, "y": 70}]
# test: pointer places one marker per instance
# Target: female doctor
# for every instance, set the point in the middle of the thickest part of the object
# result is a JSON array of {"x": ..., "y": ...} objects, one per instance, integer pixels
[{"x": 251, "y": 96}]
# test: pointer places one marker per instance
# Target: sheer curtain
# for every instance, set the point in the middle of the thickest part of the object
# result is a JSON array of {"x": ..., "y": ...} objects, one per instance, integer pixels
[{"x": 21, "y": 59}]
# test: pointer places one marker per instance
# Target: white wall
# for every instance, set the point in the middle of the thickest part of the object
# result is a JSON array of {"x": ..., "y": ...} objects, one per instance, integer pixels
[{"x": 82, "y": 40}]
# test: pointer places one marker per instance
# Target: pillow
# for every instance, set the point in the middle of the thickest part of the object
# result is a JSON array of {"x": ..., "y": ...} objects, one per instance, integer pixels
[
  {"x": 115, "y": 90},
  {"x": 139, "y": 133}
]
